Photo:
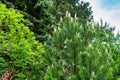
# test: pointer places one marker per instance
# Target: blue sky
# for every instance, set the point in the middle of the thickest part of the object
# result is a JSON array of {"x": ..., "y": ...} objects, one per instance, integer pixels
[
  {"x": 109, "y": 4},
  {"x": 108, "y": 10}
]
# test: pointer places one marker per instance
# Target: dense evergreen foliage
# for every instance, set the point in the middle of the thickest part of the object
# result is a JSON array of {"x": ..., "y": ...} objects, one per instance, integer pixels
[
  {"x": 37, "y": 15},
  {"x": 41, "y": 14},
  {"x": 73, "y": 47}
]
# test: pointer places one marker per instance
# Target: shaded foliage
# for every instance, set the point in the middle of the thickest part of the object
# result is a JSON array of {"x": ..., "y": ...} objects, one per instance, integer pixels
[
  {"x": 41, "y": 14},
  {"x": 37, "y": 15}
]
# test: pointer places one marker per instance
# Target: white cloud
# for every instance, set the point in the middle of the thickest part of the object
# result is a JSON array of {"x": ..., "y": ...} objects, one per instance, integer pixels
[{"x": 111, "y": 16}]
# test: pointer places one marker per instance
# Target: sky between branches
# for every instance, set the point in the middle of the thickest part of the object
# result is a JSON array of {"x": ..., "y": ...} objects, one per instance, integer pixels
[{"x": 108, "y": 10}]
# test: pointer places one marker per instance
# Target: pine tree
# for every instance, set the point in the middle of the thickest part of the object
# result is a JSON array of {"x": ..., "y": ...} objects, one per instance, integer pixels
[{"x": 74, "y": 52}]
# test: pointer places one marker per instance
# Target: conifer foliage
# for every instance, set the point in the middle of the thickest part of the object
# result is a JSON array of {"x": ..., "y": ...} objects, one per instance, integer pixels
[
  {"x": 36, "y": 13},
  {"x": 41, "y": 14},
  {"x": 75, "y": 53}
]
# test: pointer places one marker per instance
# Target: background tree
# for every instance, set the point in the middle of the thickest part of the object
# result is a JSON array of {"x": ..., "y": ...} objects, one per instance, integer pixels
[
  {"x": 82, "y": 9},
  {"x": 41, "y": 14},
  {"x": 37, "y": 15},
  {"x": 117, "y": 56}
]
